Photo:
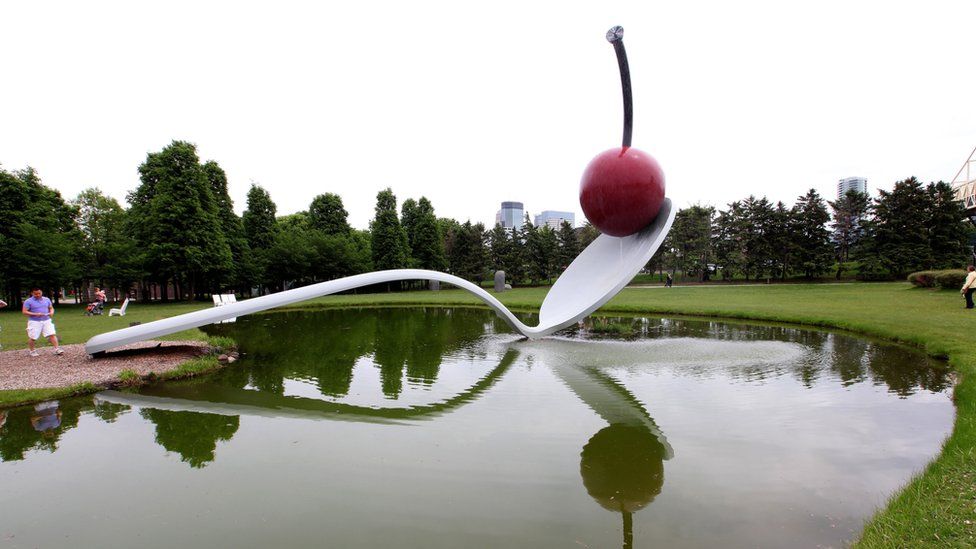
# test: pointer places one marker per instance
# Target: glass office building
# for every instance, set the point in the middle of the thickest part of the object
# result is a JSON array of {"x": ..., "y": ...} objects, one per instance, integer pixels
[
  {"x": 554, "y": 219},
  {"x": 512, "y": 215}
]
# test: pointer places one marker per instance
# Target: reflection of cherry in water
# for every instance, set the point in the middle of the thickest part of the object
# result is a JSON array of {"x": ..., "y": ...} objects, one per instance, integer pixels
[{"x": 623, "y": 470}]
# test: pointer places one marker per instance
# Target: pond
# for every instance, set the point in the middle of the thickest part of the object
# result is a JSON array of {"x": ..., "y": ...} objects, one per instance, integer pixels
[{"x": 440, "y": 428}]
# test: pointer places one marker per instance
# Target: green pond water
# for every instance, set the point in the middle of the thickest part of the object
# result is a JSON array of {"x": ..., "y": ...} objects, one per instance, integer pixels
[{"x": 440, "y": 428}]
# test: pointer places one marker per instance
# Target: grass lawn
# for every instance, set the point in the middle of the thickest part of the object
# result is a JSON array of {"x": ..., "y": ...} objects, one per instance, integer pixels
[
  {"x": 74, "y": 327},
  {"x": 936, "y": 509}
]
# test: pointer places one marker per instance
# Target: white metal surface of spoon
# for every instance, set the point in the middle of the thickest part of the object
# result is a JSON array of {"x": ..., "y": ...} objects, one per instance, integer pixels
[{"x": 592, "y": 279}]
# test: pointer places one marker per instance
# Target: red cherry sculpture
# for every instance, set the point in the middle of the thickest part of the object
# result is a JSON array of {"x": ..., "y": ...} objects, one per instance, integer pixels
[{"x": 622, "y": 189}]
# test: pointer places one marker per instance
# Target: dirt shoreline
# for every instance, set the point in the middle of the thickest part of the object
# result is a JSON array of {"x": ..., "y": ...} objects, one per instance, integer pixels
[{"x": 18, "y": 370}]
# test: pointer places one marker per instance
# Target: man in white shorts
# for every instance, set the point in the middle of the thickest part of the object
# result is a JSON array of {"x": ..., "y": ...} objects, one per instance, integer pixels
[{"x": 39, "y": 310}]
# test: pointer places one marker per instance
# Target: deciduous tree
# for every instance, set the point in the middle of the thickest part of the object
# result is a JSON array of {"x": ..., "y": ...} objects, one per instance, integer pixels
[{"x": 327, "y": 214}]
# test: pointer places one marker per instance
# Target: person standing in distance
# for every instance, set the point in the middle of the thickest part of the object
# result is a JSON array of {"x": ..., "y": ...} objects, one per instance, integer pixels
[
  {"x": 969, "y": 286},
  {"x": 39, "y": 310}
]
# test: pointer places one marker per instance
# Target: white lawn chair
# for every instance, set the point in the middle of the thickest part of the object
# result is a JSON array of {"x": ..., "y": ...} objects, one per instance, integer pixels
[
  {"x": 120, "y": 312},
  {"x": 218, "y": 300},
  {"x": 227, "y": 299}
]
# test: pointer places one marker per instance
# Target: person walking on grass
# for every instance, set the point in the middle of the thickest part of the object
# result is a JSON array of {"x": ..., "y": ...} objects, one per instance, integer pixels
[
  {"x": 969, "y": 286},
  {"x": 39, "y": 310}
]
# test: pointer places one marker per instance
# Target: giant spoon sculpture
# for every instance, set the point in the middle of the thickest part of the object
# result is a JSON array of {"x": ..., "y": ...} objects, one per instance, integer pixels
[{"x": 622, "y": 194}]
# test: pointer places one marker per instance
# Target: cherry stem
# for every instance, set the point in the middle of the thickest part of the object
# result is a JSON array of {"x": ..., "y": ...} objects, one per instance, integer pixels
[{"x": 616, "y": 37}]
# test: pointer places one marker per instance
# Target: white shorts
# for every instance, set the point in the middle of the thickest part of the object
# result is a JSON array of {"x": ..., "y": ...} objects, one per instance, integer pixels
[{"x": 42, "y": 328}]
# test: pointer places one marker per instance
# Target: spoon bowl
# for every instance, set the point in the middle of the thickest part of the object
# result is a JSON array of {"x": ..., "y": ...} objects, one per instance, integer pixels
[{"x": 592, "y": 279}]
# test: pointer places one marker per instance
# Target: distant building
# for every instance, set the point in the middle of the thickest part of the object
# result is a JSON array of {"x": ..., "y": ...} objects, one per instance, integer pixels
[
  {"x": 554, "y": 219},
  {"x": 512, "y": 215},
  {"x": 858, "y": 184}
]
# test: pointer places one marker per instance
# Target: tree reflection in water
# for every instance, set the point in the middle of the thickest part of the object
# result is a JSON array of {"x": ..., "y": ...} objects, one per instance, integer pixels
[
  {"x": 846, "y": 358},
  {"x": 325, "y": 346},
  {"x": 193, "y": 435},
  {"x": 40, "y": 426}
]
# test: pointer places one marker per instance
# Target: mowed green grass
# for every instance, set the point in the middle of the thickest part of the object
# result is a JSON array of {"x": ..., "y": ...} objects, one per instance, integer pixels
[
  {"x": 936, "y": 509},
  {"x": 74, "y": 327}
]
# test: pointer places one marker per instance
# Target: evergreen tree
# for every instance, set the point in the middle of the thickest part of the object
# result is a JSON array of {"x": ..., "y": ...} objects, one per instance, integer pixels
[
  {"x": 783, "y": 239},
  {"x": 498, "y": 248},
  {"x": 389, "y": 246},
  {"x": 469, "y": 256},
  {"x": 569, "y": 246},
  {"x": 755, "y": 227},
  {"x": 729, "y": 243},
  {"x": 849, "y": 217},
  {"x": 691, "y": 243},
  {"x": 514, "y": 259},
  {"x": 448, "y": 229},
  {"x": 588, "y": 234},
  {"x": 542, "y": 251},
  {"x": 947, "y": 230},
  {"x": 900, "y": 237},
  {"x": 814, "y": 251},
  {"x": 327, "y": 214}
]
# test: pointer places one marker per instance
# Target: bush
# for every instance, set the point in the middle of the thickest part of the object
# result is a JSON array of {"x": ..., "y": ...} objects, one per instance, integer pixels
[
  {"x": 948, "y": 279},
  {"x": 923, "y": 279},
  {"x": 951, "y": 280}
]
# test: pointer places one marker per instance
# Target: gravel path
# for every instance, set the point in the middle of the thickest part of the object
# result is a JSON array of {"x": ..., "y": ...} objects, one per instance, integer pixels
[{"x": 20, "y": 371}]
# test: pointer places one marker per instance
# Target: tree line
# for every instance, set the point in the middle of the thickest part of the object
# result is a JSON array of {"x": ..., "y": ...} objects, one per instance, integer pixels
[
  {"x": 913, "y": 227},
  {"x": 181, "y": 239}
]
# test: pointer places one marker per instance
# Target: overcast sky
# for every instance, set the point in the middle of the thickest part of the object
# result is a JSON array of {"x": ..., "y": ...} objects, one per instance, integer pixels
[{"x": 471, "y": 104}]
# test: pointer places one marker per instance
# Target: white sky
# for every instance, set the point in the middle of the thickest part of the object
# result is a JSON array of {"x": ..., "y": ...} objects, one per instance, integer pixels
[{"x": 471, "y": 104}]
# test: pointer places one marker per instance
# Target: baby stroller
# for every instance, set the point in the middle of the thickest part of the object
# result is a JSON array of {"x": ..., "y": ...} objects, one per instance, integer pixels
[{"x": 94, "y": 308}]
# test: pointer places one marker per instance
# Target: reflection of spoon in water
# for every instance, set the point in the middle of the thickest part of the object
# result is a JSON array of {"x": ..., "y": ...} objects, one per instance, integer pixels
[
  {"x": 592, "y": 279},
  {"x": 623, "y": 464}
]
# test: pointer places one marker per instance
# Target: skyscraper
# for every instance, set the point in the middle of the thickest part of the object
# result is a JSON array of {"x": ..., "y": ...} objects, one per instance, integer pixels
[
  {"x": 512, "y": 215},
  {"x": 554, "y": 219},
  {"x": 859, "y": 184}
]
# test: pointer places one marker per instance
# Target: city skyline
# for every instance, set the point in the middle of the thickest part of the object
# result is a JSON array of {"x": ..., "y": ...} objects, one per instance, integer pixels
[{"x": 277, "y": 97}]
